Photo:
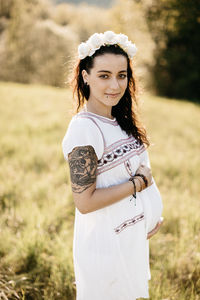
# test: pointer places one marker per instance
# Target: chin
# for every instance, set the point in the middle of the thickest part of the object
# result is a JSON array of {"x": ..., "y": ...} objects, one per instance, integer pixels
[
  {"x": 113, "y": 100},
  {"x": 116, "y": 102},
  {"x": 113, "y": 103}
]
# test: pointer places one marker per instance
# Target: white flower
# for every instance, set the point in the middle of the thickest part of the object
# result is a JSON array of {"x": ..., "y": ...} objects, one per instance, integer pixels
[
  {"x": 95, "y": 41},
  {"x": 110, "y": 38},
  {"x": 131, "y": 49},
  {"x": 91, "y": 51},
  {"x": 122, "y": 39},
  {"x": 107, "y": 38},
  {"x": 83, "y": 50}
]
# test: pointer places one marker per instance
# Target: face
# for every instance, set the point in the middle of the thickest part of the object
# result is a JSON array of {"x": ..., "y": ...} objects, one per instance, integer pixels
[{"x": 107, "y": 79}]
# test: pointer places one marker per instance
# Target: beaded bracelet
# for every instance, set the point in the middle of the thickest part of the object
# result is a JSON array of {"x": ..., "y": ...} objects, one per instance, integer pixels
[
  {"x": 140, "y": 180},
  {"x": 144, "y": 178},
  {"x": 132, "y": 180}
]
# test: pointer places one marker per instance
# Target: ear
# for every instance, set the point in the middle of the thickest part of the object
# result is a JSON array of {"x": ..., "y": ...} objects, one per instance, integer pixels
[{"x": 85, "y": 76}]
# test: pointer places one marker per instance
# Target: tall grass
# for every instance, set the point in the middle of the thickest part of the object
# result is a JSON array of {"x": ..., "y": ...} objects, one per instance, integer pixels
[{"x": 37, "y": 210}]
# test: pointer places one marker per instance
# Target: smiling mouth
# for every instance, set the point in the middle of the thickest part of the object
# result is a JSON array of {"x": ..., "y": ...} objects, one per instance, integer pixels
[{"x": 113, "y": 95}]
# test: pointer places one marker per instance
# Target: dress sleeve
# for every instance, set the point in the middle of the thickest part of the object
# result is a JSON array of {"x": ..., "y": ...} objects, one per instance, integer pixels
[
  {"x": 145, "y": 159},
  {"x": 82, "y": 132}
]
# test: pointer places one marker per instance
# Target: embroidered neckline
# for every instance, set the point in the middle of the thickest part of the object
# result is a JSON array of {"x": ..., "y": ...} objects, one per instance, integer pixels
[{"x": 99, "y": 117}]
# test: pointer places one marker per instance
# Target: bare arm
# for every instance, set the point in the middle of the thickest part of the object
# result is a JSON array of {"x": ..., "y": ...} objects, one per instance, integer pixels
[{"x": 83, "y": 166}]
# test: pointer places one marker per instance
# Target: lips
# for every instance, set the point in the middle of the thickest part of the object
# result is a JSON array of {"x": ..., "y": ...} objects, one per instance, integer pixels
[{"x": 113, "y": 95}]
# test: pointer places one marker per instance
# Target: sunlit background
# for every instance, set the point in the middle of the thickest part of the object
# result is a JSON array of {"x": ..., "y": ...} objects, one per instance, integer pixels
[{"x": 38, "y": 46}]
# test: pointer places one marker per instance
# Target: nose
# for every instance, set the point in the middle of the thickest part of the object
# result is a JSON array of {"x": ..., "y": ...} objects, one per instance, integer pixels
[{"x": 114, "y": 84}]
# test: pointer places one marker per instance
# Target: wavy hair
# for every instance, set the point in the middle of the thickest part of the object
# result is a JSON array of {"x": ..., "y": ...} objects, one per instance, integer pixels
[{"x": 126, "y": 111}]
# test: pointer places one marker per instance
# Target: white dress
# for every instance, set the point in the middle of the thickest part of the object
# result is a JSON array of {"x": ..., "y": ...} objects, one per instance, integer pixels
[{"x": 110, "y": 246}]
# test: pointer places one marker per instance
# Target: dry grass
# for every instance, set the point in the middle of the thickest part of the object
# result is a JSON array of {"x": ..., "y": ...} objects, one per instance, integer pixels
[{"x": 36, "y": 207}]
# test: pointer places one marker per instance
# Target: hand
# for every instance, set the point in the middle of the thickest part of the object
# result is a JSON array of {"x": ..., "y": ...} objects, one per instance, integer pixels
[
  {"x": 155, "y": 230},
  {"x": 144, "y": 170}
]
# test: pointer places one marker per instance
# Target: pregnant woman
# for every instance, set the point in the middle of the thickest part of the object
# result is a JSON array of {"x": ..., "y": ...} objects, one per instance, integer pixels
[{"x": 118, "y": 205}]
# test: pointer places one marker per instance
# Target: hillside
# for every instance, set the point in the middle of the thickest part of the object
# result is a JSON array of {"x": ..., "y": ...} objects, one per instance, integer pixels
[{"x": 37, "y": 210}]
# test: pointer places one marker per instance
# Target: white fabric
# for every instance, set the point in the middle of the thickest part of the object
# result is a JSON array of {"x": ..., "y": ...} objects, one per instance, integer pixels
[
  {"x": 110, "y": 249},
  {"x": 82, "y": 132}
]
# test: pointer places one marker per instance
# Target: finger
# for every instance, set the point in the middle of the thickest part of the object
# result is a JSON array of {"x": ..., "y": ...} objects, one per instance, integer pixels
[
  {"x": 159, "y": 223},
  {"x": 155, "y": 230},
  {"x": 152, "y": 233}
]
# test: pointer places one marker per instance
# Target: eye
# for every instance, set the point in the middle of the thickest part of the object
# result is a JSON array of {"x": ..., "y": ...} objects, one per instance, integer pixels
[
  {"x": 122, "y": 76},
  {"x": 103, "y": 76}
]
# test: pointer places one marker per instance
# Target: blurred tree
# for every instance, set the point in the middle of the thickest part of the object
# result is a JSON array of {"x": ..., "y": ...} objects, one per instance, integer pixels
[
  {"x": 128, "y": 17},
  {"x": 37, "y": 39},
  {"x": 5, "y": 8},
  {"x": 33, "y": 49},
  {"x": 175, "y": 27},
  {"x": 17, "y": 55}
]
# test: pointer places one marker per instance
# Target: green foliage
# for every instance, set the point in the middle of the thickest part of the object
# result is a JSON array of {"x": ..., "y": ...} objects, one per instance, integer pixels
[
  {"x": 37, "y": 210},
  {"x": 175, "y": 27}
]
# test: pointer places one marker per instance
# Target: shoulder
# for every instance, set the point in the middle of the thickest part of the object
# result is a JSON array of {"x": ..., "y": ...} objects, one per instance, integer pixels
[
  {"x": 80, "y": 132},
  {"x": 82, "y": 121},
  {"x": 80, "y": 127}
]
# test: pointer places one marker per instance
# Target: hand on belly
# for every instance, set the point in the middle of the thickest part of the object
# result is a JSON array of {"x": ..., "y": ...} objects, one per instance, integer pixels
[{"x": 155, "y": 230}]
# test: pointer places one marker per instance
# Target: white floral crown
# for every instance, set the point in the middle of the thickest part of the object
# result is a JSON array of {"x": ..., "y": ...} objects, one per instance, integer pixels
[{"x": 107, "y": 38}]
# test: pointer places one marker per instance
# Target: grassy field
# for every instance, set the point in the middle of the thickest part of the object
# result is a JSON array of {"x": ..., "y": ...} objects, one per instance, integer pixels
[{"x": 37, "y": 210}]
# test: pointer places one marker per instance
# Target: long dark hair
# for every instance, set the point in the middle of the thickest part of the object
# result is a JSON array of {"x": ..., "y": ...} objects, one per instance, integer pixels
[{"x": 126, "y": 111}]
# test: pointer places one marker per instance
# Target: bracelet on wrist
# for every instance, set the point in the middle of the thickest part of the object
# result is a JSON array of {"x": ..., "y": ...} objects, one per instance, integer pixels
[
  {"x": 132, "y": 180},
  {"x": 141, "y": 183},
  {"x": 144, "y": 179}
]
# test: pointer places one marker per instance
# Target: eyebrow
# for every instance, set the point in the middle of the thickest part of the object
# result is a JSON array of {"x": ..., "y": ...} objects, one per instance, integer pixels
[{"x": 105, "y": 71}]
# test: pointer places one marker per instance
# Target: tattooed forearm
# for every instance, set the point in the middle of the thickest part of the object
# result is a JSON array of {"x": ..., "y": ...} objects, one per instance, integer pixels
[{"x": 83, "y": 165}]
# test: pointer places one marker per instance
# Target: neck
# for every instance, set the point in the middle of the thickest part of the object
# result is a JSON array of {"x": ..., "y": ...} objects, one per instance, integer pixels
[{"x": 99, "y": 109}]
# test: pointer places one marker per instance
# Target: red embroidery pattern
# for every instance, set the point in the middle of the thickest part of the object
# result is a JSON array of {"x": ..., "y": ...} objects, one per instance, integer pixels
[
  {"x": 118, "y": 144},
  {"x": 129, "y": 222},
  {"x": 118, "y": 154}
]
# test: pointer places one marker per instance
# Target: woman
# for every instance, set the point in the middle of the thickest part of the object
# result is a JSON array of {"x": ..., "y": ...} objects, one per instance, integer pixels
[{"x": 118, "y": 205}]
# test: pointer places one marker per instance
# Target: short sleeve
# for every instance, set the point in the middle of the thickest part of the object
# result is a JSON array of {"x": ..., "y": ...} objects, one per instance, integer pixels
[{"x": 82, "y": 132}]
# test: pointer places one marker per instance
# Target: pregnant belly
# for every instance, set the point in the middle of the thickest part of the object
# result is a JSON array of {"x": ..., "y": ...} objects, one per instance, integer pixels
[{"x": 152, "y": 204}]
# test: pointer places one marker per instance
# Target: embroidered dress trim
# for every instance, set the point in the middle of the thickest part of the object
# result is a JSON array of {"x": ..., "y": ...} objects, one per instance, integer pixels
[
  {"x": 101, "y": 118},
  {"x": 129, "y": 222},
  {"x": 119, "y": 153},
  {"x": 119, "y": 149},
  {"x": 119, "y": 143}
]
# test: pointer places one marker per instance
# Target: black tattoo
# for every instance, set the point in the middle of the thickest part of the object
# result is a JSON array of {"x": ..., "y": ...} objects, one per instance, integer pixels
[{"x": 83, "y": 166}]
